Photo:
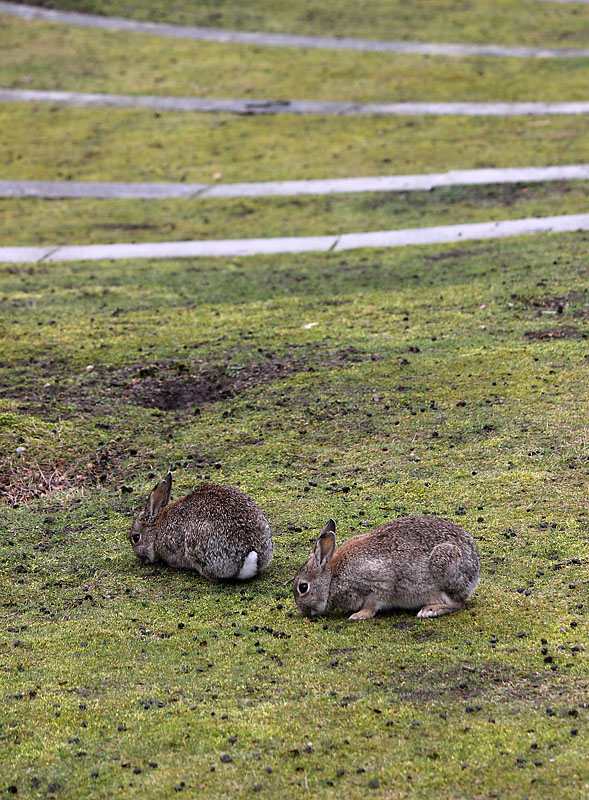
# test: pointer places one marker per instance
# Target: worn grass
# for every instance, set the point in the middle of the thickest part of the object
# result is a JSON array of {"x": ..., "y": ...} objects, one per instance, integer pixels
[
  {"x": 416, "y": 390},
  {"x": 138, "y": 145},
  {"x": 517, "y": 22},
  {"x": 31, "y": 221},
  {"x": 118, "y": 62}
]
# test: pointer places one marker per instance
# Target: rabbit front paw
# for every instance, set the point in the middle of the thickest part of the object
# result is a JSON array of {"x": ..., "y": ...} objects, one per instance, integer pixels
[{"x": 364, "y": 613}]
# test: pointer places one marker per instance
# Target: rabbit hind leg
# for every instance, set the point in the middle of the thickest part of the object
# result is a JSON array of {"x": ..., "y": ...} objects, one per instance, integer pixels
[{"x": 444, "y": 606}]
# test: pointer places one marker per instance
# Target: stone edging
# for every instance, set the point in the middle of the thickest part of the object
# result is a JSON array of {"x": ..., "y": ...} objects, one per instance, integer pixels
[
  {"x": 385, "y": 183},
  {"x": 252, "y": 107},
  {"x": 347, "y": 241}
]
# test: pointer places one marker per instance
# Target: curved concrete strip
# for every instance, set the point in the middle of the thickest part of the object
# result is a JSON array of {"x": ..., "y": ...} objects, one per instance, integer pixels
[
  {"x": 25, "y": 255},
  {"x": 458, "y": 233},
  {"x": 285, "y": 40},
  {"x": 227, "y": 247},
  {"x": 391, "y": 183},
  {"x": 236, "y": 106},
  {"x": 248, "y": 247},
  {"x": 398, "y": 183},
  {"x": 102, "y": 190}
]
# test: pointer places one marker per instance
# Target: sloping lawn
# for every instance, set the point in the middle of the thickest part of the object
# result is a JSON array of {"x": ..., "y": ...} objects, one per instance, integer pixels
[
  {"x": 517, "y": 22},
  {"x": 140, "y": 145},
  {"x": 125, "y": 63},
  {"x": 360, "y": 386}
]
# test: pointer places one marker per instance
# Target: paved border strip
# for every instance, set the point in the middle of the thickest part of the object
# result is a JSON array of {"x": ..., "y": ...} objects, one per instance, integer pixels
[
  {"x": 249, "y": 247},
  {"x": 392, "y": 183},
  {"x": 251, "y": 107},
  {"x": 285, "y": 40}
]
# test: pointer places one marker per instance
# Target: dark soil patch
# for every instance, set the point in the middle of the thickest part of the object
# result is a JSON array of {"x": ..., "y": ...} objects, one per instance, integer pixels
[
  {"x": 38, "y": 3},
  {"x": 122, "y": 226},
  {"x": 462, "y": 682},
  {"x": 166, "y": 385},
  {"x": 492, "y": 681},
  {"x": 170, "y": 392},
  {"x": 566, "y": 332},
  {"x": 503, "y": 195},
  {"x": 555, "y": 302},
  {"x": 457, "y": 254}
]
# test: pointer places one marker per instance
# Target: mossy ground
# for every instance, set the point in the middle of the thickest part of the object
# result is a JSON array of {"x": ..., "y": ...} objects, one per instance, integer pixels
[
  {"x": 434, "y": 379},
  {"x": 450, "y": 379}
]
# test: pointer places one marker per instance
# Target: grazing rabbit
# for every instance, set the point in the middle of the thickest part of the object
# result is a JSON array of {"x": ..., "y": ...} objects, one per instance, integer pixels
[
  {"x": 423, "y": 563},
  {"x": 216, "y": 530}
]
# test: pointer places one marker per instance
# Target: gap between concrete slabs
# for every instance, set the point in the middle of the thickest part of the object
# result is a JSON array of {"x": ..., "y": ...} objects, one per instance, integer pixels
[
  {"x": 247, "y": 247},
  {"x": 390, "y": 183},
  {"x": 250, "y": 107},
  {"x": 285, "y": 40}
]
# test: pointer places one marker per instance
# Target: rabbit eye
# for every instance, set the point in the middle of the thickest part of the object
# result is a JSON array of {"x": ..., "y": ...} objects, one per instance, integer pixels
[
  {"x": 303, "y": 587},
  {"x": 136, "y": 537}
]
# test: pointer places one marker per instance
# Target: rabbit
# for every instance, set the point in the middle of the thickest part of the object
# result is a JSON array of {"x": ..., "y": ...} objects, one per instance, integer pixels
[
  {"x": 420, "y": 563},
  {"x": 216, "y": 530}
]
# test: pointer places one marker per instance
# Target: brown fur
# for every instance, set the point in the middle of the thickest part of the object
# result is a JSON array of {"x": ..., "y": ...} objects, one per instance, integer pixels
[
  {"x": 216, "y": 530},
  {"x": 421, "y": 563}
]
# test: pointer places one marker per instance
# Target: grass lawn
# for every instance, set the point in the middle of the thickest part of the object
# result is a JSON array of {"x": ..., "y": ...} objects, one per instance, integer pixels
[
  {"x": 31, "y": 221},
  {"x": 362, "y": 386},
  {"x": 443, "y": 379},
  {"x": 120, "y": 62},
  {"x": 140, "y": 145},
  {"x": 517, "y": 22}
]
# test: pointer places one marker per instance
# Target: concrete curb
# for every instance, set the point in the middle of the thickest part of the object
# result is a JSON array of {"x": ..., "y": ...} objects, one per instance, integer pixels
[
  {"x": 247, "y": 247},
  {"x": 252, "y": 107},
  {"x": 285, "y": 40},
  {"x": 391, "y": 183}
]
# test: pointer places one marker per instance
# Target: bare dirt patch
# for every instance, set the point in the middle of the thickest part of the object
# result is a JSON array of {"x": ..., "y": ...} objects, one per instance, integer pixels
[
  {"x": 555, "y": 302},
  {"x": 565, "y": 332},
  {"x": 490, "y": 680},
  {"x": 169, "y": 393},
  {"x": 462, "y": 682},
  {"x": 166, "y": 385},
  {"x": 23, "y": 478},
  {"x": 457, "y": 254},
  {"x": 155, "y": 387}
]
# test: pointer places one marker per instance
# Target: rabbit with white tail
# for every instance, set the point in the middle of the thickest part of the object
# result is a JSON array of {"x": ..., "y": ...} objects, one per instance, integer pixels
[
  {"x": 216, "y": 530},
  {"x": 418, "y": 563}
]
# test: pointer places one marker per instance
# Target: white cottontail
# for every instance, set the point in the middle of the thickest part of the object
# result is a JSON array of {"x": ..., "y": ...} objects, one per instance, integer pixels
[
  {"x": 216, "y": 530},
  {"x": 422, "y": 563}
]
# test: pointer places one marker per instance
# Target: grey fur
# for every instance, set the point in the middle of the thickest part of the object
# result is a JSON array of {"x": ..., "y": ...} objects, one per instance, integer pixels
[
  {"x": 211, "y": 530},
  {"x": 420, "y": 563}
]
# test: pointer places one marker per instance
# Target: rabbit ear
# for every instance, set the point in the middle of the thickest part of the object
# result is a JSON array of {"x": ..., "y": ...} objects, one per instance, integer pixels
[
  {"x": 329, "y": 527},
  {"x": 325, "y": 545},
  {"x": 160, "y": 496}
]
